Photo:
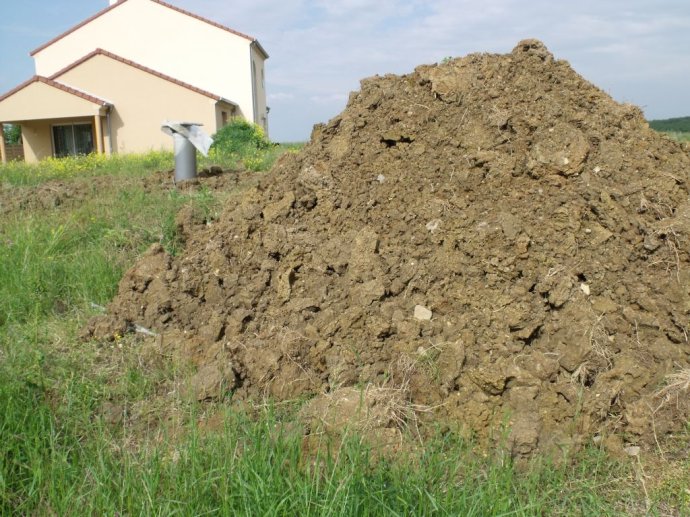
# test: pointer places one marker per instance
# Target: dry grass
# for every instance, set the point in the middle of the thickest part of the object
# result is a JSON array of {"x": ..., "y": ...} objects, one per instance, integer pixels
[
  {"x": 381, "y": 413},
  {"x": 677, "y": 388},
  {"x": 667, "y": 231},
  {"x": 599, "y": 357}
]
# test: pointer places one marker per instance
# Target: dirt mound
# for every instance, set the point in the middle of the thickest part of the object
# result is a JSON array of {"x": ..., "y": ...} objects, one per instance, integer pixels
[{"x": 494, "y": 234}]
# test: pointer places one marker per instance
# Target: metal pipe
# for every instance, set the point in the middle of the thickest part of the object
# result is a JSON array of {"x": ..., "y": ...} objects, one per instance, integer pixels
[{"x": 185, "y": 158}]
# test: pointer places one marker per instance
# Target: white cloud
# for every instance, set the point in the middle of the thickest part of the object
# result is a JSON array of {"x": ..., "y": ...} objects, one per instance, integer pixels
[
  {"x": 281, "y": 96},
  {"x": 320, "y": 49},
  {"x": 329, "y": 99}
]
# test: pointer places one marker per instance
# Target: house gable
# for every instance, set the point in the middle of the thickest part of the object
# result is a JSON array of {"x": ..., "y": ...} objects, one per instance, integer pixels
[
  {"x": 42, "y": 98},
  {"x": 169, "y": 40},
  {"x": 128, "y": 62},
  {"x": 169, "y": 6},
  {"x": 142, "y": 99}
]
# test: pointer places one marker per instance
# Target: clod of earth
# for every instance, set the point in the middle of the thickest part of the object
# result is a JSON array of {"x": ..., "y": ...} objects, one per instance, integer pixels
[{"x": 543, "y": 225}]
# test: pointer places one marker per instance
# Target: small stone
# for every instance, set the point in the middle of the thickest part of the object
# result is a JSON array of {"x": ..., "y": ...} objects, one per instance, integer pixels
[
  {"x": 433, "y": 225},
  {"x": 632, "y": 450},
  {"x": 585, "y": 289},
  {"x": 380, "y": 178},
  {"x": 651, "y": 243},
  {"x": 421, "y": 313}
]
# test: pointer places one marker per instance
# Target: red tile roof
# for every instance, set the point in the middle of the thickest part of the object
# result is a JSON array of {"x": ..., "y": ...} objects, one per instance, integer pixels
[
  {"x": 55, "y": 84},
  {"x": 165, "y": 4},
  {"x": 101, "y": 52}
]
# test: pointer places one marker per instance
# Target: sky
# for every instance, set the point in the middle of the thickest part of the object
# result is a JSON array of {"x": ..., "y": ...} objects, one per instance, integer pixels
[{"x": 638, "y": 51}]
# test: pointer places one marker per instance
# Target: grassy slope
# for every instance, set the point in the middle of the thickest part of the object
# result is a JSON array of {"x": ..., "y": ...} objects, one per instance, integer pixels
[{"x": 106, "y": 429}]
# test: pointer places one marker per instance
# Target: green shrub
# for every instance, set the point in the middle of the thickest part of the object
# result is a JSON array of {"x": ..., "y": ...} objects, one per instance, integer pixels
[{"x": 239, "y": 137}]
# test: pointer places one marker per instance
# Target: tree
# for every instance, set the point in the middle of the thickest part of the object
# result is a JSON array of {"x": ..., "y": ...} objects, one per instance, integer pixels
[{"x": 13, "y": 133}]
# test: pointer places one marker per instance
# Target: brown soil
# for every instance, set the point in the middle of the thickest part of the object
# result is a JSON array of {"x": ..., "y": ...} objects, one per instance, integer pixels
[{"x": 493, "y": 237}]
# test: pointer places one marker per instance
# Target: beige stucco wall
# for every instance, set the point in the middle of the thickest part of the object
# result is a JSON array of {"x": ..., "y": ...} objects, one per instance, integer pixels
[
  {"x": 167, "y": 41},
  {"x": 141, "y": 102},
  {"x": 37, "y": 141},
  {"x": 40, "y": 101}
]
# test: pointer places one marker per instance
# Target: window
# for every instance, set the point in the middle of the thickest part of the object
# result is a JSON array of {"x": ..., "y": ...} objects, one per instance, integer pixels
[
  {"x": 224, "y": 118},
  {"x": 72, "y": 139}
]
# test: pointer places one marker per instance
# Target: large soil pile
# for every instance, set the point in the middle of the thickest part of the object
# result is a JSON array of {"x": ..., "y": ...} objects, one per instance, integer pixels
[{"x": 494, "y": 237}]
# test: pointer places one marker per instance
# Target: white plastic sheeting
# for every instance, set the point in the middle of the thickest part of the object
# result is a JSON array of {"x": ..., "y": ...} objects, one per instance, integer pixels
[{"x": 191, "y": 131}]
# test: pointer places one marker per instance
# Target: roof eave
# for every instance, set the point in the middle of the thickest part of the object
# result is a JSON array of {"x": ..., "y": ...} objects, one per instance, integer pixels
[
  {"x": 260, "y": 48},
  {"x": 228, "y": 102},
  {"x": 102, "y": 104},
  {"x": 19, "y": 87}
]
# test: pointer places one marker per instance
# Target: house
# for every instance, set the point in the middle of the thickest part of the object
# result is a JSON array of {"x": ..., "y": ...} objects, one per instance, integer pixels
[{"x": 108, "y": 83}]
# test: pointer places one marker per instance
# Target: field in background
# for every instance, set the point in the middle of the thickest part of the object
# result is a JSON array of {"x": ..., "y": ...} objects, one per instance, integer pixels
[
  {"x": 108, "y": 429},
  {"x": 677, "y": 124},
  {"x": 677, "y": 128},
  {"x": 679, "y": 136}
]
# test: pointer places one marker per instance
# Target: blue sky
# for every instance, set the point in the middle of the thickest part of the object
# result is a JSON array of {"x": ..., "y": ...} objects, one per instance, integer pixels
[{"x": 636, "y": 50}]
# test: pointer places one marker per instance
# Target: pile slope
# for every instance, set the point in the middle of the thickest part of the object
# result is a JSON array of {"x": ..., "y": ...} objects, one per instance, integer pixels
[{"x": 493, "y": 238}]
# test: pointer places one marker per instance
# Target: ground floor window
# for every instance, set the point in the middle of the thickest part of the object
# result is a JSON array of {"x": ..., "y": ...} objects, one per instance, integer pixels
[{"x": 72, "y": 139}]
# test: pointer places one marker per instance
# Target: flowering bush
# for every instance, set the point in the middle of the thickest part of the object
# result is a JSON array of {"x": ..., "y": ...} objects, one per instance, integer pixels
[{"x": 22, "y": 173}]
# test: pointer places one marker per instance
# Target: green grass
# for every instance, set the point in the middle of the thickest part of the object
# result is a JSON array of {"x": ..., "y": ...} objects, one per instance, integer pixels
[
  {"x": 56, "y": 455},
  {"x": 680, "y": 136},
  {"x": 53, "y": 261},
  {"x": 62, "y": 454},
  {"x": 19, "y": 173}
]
